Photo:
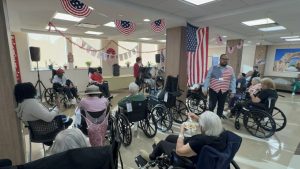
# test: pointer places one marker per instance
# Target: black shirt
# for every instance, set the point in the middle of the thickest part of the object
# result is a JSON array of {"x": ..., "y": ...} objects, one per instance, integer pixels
[
  {"x": 265, "y": 94},
  {"x": 196, "y": 142}
]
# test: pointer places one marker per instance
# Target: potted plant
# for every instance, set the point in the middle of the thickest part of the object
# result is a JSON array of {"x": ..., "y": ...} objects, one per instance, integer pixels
[
  {"x": 149, "y": 64},
  {"x": 50, "y": 66},
  {"x": 88, "y": 63},
  {"x": 128, "y": 64}
]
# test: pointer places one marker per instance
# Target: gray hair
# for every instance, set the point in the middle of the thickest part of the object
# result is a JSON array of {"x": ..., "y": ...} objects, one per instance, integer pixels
[
  {"x": 256, "y": 80},
  {"x": 211, "y": 124},
  {"x": 69, "y": 139},
  {"x": 133, "y": 88}
]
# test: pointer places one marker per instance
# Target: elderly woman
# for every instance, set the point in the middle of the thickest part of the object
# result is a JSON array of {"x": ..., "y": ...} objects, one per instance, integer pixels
[
  {"x": 212, "y": 134},
  {"x": 255, "y": 86},
  {"x": 69, "y": 139},
  {"x": 133, "y": 96}
]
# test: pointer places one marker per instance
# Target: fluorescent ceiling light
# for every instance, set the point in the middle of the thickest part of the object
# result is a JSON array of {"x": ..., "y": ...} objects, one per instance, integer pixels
[
  {"x": 292, "y": 40},
  {"x": 93, "y": 33},
  {"x": 224, "y": 36},
  {"x": 91, "y": 8},
  {"x": 110, "y": 24},
  {"x": 146, "y": 38},
  {"x": 199, "y": 2},
  {"x": 58, "y": 28},
  {"x": 288, "y": 37},
  {"x": 147, "y": 20},
  {"x": 88, "y": 25},
  {"x": 163, "y": 41},
  {"x": 273, "y": 28},
  {"x": 67, "y": 17},
  {"x": 258, "y": 22}
]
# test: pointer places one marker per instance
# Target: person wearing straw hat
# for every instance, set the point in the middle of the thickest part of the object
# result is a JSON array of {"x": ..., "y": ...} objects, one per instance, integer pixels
[{"x": 93, "y": 102}]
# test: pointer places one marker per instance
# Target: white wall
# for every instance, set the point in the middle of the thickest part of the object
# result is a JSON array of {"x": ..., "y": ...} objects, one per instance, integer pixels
[{"x": 270, "y": 61}]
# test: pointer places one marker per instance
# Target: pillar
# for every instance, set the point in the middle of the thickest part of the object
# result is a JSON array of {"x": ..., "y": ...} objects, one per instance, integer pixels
[
  {"x": 260, "y": 58},
  {"x": 11, "y": 140},
  {"x": 107, "y": 65},
  {"x": 234, "y": 50},
  {"x": 176, "y": 60}
]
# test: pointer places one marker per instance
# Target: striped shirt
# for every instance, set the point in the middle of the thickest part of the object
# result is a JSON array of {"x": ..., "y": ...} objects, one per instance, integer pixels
[{"x": 221, "y": 79}]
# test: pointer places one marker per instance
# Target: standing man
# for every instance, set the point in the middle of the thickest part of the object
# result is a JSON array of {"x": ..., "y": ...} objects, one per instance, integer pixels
[
  {"x": 136, "y": 70},
  {"x": 220, "y": 79}
]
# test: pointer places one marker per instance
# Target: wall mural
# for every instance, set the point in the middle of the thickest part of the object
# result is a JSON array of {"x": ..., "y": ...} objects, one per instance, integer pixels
[{"x": 287, "y": 60}]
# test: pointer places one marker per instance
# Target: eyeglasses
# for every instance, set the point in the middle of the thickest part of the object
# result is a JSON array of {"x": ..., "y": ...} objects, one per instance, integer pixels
[{"x": 224, "y": 59}]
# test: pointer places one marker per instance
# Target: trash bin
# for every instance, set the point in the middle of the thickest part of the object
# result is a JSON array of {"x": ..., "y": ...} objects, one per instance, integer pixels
[{"x": 116, "y": 70}]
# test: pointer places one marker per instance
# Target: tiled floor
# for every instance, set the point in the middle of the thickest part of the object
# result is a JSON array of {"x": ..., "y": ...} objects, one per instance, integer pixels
[{"x": 277, "y": 152}]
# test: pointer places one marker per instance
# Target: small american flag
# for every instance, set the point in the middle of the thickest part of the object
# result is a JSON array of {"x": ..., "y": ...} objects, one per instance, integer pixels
[
  {"x": 76, "y": 7},
  {"x": 197, "y": 52},
  {"x": 158, "y": 25},
  {"x": 125, "y": 27}
]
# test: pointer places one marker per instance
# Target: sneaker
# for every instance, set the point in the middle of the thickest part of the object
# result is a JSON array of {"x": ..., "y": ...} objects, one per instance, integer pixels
[
  {"x": 293, "y": 94},
  {"x": 144, "y": 154}
]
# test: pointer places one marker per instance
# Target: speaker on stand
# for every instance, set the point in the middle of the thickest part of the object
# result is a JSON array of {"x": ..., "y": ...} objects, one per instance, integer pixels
[
  {"x": 35, "y": 57},
  {"x": 157, "y": 58}
]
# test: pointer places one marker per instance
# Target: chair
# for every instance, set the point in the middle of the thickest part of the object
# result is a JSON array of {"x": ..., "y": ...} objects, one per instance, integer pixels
[
  {"x": 42, "y": 132},
  {"x": 5, "y": 163}
]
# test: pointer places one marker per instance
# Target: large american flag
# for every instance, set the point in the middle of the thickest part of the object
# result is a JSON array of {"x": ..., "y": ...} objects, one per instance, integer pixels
[
  {"x": 125, "y": 27},
  {"x": 76, "y": 7},
  {"x": 197, "y": 53},
  {"x": 158, "y": 25}
]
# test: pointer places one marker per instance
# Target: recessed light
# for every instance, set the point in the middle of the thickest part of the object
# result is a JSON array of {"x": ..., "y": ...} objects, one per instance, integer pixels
[
  {"x": 258, "y": 22},
  {"x": 292, "y": 40},
  {"x": 146, "y": 38},
  {"x": 58, "y": 28},
  {"x": 199, "y": 2},
  {"x": 67, "y": 17},
  {"x": 91, "y": 8},
  {"x": 224, "y": 36},
  {"x": 93, "y": 33},
  {"x": 163, "y": 41},
  {"x": 110, "y": 24},
  {"x": 147, "y": 20},
  {"x": 288, "y": 37},
  {"x": 273, "y": 28}
]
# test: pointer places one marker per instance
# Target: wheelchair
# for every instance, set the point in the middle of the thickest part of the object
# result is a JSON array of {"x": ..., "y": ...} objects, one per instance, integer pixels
[
  {"x": 139, "y": 113},
  {"x": 196, "y": 101},
  {"x": 259, "y": 121}
]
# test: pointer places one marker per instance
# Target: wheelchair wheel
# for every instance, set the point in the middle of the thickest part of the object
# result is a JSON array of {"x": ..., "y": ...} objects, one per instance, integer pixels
[
  {"x": 279, "y": 118},
  {"x": 110, "y": 135},
  {"x": 259, "y": 123},
  {"x": 196, "y": 105},
  {"x": 149, "y": 126},
  {"x": 179, "y": 112},
  {"x": 163, "y": 118},
  {"x": 237, "y": 125},
  {"x": 124, "y": 129},
  {"x": 50, "y": 96}
]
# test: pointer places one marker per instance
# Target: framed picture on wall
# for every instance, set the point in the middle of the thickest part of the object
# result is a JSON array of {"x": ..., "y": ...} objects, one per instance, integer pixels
[{"x": 287, "y": 60}]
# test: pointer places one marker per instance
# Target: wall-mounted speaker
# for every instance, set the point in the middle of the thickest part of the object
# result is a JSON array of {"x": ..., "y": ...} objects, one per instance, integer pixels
[
  {"x": 157, "y": 58},
  {"x": 34, "y": 53}
]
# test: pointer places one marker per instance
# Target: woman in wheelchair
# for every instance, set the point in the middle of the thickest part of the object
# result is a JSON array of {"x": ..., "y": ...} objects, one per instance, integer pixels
[
  {"x": 212, "y": 134},
  {"x": 61, "y": 84},
  {"x": 30, "y": 109},
  {"x": 134, "y": 95},
  {"x": 96, "y": 78}
]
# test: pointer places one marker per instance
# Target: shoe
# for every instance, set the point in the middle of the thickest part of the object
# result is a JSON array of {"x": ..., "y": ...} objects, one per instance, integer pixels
[
  {"x": 293, "y": 94},
  {"x": 144, "y": 154},
  {"x": 73, "y": 101}
]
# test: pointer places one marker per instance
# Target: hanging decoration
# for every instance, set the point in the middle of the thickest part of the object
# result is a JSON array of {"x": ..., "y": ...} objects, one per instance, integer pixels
[
  {"x": 239, "y": 45},
  {"x": 125, "y": 27},
  {"x": 230, "y": 49},
  {"x": 16, "y": 59},
  {"x": 76, "y": 7},
  {"x": 219, "y": 40},
  {"x": 158, "y": 25}
]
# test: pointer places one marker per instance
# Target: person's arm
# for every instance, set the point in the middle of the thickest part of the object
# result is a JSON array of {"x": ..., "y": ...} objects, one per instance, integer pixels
[
  {"x": 207, "y": 80},
  {"x": 41, "y": 112},
  {"x": 255, "y": 99},
  {"x": 181, "y": 148},
  {"x": 122, "y": 102},
  {"x": 233, "y": 83}
]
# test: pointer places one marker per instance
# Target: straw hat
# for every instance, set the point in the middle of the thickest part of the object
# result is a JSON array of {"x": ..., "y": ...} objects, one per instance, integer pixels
[{"x": 92, "y": 89}]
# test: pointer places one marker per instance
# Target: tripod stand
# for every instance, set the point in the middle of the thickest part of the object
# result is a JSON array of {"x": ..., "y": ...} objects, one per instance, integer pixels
[{"x": 39, "y": 83}]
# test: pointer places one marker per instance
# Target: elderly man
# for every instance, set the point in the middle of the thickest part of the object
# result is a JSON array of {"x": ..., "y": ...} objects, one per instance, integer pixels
[
  {"x": 133, "y": 96},
  {"x": 220, "y": 79}
]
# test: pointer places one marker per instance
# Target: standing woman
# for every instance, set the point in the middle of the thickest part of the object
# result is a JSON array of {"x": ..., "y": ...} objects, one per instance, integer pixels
[{"x": 136, "y": 70}]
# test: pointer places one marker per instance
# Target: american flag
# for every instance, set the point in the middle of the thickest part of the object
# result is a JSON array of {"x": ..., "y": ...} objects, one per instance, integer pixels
[
  {"x": 158, "y": 25},
  {"x": 197, "y": 53},
  {"x": 125, "y": 27},
  {"x": 76, "y": 7}
]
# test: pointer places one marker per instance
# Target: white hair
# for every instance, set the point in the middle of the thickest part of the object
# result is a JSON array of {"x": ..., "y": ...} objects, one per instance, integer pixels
[
  {"x": 69, "y": 139},
  {"x": 256, "y": 80},
  {"x": 211, "y": 124},
  {"x": 133, "y": 88}
]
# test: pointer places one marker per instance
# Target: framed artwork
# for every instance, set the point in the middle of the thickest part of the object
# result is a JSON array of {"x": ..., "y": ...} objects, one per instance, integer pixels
[{"x": 287, "y": 60}]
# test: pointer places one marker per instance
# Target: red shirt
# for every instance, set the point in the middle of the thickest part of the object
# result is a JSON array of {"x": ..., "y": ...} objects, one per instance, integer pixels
[
  {"x": 136, "y": 70},
  {"x": 97, "y": 77}
]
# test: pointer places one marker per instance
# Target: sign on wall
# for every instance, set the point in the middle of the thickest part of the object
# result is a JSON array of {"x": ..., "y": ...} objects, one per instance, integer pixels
[{"x": 287, "y": 60}]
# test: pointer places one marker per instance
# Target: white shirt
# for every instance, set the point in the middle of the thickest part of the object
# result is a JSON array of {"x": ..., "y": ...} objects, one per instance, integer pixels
[{"x": 59, "y": 80}]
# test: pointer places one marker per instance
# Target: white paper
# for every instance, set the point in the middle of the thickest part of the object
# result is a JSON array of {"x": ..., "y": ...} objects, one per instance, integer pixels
[
  {"x": 239, "y": 85},
  {"x": 129, "y": 107},
  {"x": 166, "y": 97},
  {"x": 221, "y": 79}
]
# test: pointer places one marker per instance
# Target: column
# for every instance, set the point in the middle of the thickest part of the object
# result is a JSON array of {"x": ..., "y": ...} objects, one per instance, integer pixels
[
  {"x": 11, "y": 140},
  {"x": 176, "y": 60},
  {"x": 234, "y": 50},
  {"x": 107, "y": 65},
  {"x": 260, "y": 58}
]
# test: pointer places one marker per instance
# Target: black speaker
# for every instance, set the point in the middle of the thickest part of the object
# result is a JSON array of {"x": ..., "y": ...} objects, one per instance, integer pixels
[
  {"x": 157, "y": 58},
  {"x": 34, "y": 53}
]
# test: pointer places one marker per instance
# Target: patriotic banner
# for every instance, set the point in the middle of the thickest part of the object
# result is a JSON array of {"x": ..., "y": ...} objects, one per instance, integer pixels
[
  {"x": 83, "y": 43},
  {"x": 76, "y": 7},
  {"x": 158, "y": 25},
  {"x": 126, "y": 56},
  {"x": 16, "y": 59},
  {"x": 121, "y": 57},
  {"x": 125, "y": 27},
  {"x": 99, "y": 55},
  {"x": 219, "y": 40},
  {"x": 197, "y": 53}
]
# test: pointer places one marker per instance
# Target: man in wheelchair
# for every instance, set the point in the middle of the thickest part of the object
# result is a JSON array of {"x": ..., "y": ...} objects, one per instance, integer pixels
[
  {"x": 212, "y": 134},
  {"x": 62, "y": 84}
]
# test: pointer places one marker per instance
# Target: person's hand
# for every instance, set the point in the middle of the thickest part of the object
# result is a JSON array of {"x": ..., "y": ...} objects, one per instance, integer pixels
[
  {"x": 182, "y": 128},
  {"x": 193, "y": 116}
]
